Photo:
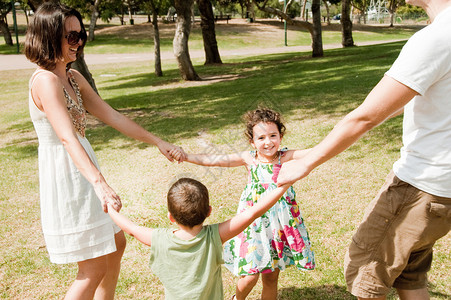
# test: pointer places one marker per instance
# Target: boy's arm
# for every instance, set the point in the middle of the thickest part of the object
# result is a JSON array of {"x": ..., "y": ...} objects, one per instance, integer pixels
[
  {"x": 238, "y": 223},
  {"x": 215, "y": 160},
  {"x": 141, "y": 233}
]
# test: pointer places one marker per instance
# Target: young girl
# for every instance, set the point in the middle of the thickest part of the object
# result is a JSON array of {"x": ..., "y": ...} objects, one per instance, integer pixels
[{"x": 279, "y": 237}]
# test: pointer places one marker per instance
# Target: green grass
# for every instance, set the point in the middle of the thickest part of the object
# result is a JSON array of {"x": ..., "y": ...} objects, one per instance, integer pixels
[
  {"x": 124, "y": 39},
  {"x": 312, "y": 95}
]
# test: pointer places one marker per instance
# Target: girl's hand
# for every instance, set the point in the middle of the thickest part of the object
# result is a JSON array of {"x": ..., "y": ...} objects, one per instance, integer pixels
[
  {"x": 171, "y": 152},
  {"x": 107, "y": 196}
]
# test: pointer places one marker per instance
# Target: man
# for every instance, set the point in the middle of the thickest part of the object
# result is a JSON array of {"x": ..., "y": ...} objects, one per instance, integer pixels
[{"x": 393, "y": 245}]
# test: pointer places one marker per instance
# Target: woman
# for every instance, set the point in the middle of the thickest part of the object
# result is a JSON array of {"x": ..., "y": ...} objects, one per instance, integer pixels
[{"x": 73, "y": 192}]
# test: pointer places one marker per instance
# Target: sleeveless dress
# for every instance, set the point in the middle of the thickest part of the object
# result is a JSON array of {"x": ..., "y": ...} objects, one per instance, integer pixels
[
  {"x": 73, "y": 222},
  {"x": 278, "y": 238}
]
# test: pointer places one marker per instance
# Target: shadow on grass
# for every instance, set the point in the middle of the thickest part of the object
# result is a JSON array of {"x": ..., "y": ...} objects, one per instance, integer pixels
[
  {"x": 332, "y": 85},
  {"x": 294, "y": 84},
  {"x": 326, "y": 292},
  {"x": 337, "y": 292}
]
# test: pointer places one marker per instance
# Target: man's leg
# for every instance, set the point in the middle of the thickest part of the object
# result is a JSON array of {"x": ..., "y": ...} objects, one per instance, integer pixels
[{"x": 421, "y": 294}]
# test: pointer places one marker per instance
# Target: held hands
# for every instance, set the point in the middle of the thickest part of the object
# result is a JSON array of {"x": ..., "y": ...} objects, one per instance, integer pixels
[
  {"x": 107, "y": 196},
  {"x": 172, "y": 152},
  {"x": 291, "y": 172},
  {"x": 178, "y": 154}
]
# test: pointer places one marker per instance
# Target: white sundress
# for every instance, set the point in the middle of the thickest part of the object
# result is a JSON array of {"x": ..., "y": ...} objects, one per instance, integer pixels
[{"x": 73, "y": 222}]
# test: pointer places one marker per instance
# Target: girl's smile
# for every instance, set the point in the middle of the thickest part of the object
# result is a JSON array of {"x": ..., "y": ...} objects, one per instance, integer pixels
[{"x": 266, "y": 140}]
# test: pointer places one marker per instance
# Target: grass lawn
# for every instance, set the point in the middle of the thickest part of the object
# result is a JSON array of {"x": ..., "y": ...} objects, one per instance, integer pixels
[
  {"x": 312, "y": 95},
  {"x": 138, "y": 38}
]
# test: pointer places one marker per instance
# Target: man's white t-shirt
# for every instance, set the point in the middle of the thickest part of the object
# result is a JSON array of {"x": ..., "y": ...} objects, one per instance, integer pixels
[{"x": 424, "y": 65}]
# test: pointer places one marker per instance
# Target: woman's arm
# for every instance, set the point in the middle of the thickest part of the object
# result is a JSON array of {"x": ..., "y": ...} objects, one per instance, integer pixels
[
  {"x": 104, "y": 112},
  {"x": 141, "y": 233},
  {"x": 215, "y": 160},
  {"x": 48, "y": 92},
  {"x": 238, "y": 223}
]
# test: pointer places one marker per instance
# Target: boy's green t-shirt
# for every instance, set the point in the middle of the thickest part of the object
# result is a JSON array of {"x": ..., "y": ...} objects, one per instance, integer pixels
[{"x": 188, "y": 269}]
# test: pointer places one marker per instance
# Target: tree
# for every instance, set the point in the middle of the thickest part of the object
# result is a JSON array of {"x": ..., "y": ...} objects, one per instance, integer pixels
[
  {"x": 180, "y": 43},
  {"x": 315, "y": 29},
  {"x": 94, "y": 15},
  {"x": 362, "y": 7},
  {"x": 207, "y": 24},
  {"x": 156, "y": 37},
  {"x": 326, "y": 5},
  {"x": 317, "y": 40},
  {"x": 5, "y": 9},
  {"x": 392, "y": 6},
  {"x": 346, "y": 24}
]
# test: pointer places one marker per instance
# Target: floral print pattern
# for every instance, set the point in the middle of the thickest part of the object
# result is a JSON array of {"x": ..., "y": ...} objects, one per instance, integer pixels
[{"x": 278, "y": 238}]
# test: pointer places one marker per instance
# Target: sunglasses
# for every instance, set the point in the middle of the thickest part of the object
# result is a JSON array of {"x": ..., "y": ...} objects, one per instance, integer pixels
[{"x": 73, "y": 37}]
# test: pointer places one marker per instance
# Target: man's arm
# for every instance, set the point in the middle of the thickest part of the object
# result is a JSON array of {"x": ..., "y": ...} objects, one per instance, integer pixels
[{"x": 386, "y": 100}]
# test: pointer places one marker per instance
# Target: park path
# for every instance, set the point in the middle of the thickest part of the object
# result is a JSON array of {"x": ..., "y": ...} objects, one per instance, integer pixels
[{"x": 18, "y": 61}]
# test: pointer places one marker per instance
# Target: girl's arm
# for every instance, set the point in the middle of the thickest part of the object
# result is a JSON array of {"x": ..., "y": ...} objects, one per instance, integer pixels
[
  {"x": 141, "y": 233},
  {"x": 104, "y": 112},
  {"x": 226, "y": 160},
  {"x": 47, "y": 91},
  {"x": 238, "y": 223}
]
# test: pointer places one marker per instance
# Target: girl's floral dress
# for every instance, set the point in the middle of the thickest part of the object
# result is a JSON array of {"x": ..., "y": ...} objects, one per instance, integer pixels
[{"x": 278, "y": 238}]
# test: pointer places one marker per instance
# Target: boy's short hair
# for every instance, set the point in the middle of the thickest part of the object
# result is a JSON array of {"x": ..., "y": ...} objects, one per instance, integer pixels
[{"x": 188, "y": 202}]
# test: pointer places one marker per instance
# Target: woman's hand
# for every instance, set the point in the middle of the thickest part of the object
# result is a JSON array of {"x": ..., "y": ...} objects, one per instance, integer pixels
[
  {"x": 107, "y": 196},
  {"x": 171, "y": 151}
]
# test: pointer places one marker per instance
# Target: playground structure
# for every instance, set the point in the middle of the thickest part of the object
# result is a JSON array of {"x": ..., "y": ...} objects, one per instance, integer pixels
[{"x": 377, "y": 10}]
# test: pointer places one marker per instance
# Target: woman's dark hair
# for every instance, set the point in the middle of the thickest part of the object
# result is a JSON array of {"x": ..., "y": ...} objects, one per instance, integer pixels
[
  {"x": 188, "y": 202},
  {"x": 45, "y": 32},
  {"x": 265, "y": 115}
]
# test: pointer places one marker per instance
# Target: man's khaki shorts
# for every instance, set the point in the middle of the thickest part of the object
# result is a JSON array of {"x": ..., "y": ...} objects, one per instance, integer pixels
[{"x": 393, "y": 245}]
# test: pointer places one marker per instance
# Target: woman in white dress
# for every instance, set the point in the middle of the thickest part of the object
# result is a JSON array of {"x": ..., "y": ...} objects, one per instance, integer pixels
[{"x": 73, "y": 192}]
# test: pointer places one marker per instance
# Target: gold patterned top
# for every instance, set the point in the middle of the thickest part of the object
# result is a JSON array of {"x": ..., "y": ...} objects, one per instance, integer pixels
[{"x": 76, "y": 109}]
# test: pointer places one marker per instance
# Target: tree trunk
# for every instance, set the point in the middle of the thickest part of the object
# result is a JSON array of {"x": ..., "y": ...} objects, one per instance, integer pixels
[
  {"x": 304, "y": 4},
  {"x": 317, "y": 43},
  {"x": 81, "y": 66},
  {"x": 317, "y": 40},
  {"x": 121, "y": 15},
  {"x": 207, "y": 24},
  {"x": 327, "y": 12},
  {"x": 156, "y": 40},
  {"x": 94, "y": 16},
  {"x": 346, "y": 24},
  {"x": 130, "y": 16},
  {"x": 6, "y": 33},
  {"x": 391, "y": 11},
  {"x": 22, "y": 5},
  {"x": 180, "y": 43},
  {"x": 250, "y": 10}
]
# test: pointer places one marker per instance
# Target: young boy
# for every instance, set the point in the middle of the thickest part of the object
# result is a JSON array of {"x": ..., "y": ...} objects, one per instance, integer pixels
[{"x": 188, "y": 259}]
